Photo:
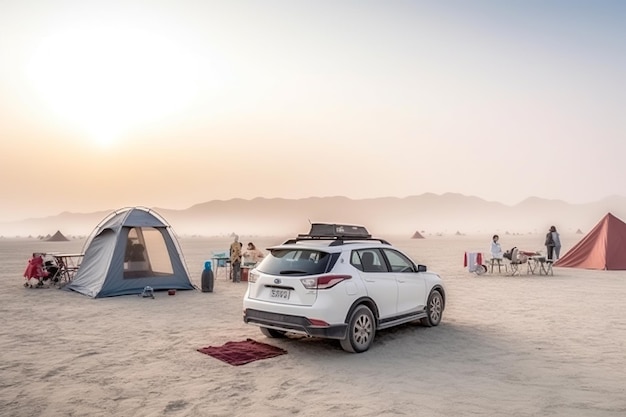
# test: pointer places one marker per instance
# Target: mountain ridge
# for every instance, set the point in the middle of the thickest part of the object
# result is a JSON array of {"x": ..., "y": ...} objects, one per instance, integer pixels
[{"x": 436, "y": 214}]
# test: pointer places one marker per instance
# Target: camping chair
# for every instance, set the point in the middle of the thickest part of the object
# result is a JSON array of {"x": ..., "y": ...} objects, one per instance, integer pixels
[
  {"x": 54, "y": 272},
  {"x": 539, "y": 264},
  {"x": 546, "y": 267},
  {"x": 499, "y": 263},
  {"x": 516, "y": 261}
]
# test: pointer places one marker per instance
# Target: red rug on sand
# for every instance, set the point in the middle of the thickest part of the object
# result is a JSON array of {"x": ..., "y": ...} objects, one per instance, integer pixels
[{"x": 240, "y": 353}]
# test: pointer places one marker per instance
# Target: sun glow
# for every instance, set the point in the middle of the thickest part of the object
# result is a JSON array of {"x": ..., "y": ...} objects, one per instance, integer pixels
[{"x": 106, "y": 80}]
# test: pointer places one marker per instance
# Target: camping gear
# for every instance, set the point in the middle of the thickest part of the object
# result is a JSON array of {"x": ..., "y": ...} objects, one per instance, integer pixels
[
  {"x": 604, "y": 247},
  {"x": 517, "y": 260},
  {"x": 240, "y": 353},
  {"x": 67, "y": 265},
  {"x": 35, "y": 272},
  {"x": 538, "y": 264},
  {"x": 130, "y": 249},
  {"x": 497, "y": 262},
  {"x": 40, "y": 270},
  {"x": 473, "y": 261},
  {"x": 148, "y": 292},
  {"x": 207, "y": 278}
]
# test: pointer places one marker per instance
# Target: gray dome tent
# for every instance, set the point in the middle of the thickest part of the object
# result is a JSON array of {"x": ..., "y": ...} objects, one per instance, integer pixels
[
  {"x": 57, "y": 237},
  {"x": 417, "y": 235},
  {"x": 131, "y": 249}
]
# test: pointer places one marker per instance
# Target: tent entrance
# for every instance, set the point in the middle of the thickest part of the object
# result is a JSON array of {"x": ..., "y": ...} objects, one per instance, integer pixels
[{"x": 146, "y": 254}]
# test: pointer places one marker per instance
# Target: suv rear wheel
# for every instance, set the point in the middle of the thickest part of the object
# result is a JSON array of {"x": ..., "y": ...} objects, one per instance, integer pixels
[
  {"x": 361, "y": 330},
  {"x": 434, "y": 309},
  {"x": 273, "y": 333}
]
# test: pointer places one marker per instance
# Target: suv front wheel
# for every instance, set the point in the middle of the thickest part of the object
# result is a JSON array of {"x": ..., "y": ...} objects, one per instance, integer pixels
[
  {"x": 434, "y": 309},
  {"x": 361, "y": 330}
]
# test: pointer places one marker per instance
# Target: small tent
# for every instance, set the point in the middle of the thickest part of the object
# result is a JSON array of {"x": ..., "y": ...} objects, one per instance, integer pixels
[
  {"x": 57, "y": 237},
  {"x": 417, "y": 235},
  {"x": 604, "y": 247},
  {"x": 131, "y": 249}
]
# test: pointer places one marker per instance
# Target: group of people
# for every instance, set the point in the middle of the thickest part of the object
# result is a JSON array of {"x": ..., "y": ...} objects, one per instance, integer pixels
[
  {"x": 251, "y": 256},
  {"x": 552, "y": 243}
]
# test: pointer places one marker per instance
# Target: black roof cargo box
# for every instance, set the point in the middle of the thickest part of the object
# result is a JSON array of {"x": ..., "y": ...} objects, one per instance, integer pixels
[
  {"x": 338, "y": 230},
  {"x": 339, "y": 233}
]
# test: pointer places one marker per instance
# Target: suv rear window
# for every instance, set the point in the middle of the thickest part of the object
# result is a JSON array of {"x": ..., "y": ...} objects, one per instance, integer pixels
[{"x": 298, "y": 262}]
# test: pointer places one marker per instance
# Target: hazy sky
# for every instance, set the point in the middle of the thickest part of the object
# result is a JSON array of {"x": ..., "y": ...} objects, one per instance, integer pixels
[{"x": 107, "y": 104}]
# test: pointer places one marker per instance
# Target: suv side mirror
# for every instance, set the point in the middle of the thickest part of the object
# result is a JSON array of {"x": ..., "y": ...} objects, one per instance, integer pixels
[{"x": 421, "y": 268}]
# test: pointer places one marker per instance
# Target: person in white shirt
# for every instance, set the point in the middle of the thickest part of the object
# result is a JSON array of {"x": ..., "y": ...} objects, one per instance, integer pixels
[
  {"x": 496, "y": 249},
  {"x": 252, "y": 255}
]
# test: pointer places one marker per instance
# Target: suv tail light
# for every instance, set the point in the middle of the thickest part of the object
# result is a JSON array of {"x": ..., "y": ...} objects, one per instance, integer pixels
[
  {"x": 323, "y": 282},
  {"x": 253, "y": 275}
]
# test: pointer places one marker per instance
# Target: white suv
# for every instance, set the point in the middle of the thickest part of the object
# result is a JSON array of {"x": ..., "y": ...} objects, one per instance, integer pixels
[{"x": 338, "y": 282}]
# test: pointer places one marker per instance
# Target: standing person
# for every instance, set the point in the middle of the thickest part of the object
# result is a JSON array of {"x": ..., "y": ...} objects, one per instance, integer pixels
[
  {"x": 556, "y": 239},
  {"x": 235, "y": 259},
  {"x": 551, "y": 244}
]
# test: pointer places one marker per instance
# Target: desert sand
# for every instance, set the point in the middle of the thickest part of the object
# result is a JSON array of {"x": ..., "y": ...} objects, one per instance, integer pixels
[{"x": 508, "y": 346}]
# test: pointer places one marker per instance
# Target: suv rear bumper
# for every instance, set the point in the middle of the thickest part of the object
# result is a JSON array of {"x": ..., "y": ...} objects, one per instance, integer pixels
[{"x": 297, "y": 324}]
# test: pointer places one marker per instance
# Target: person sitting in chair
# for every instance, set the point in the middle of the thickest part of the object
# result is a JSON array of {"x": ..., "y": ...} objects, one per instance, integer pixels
[
  {"x": 496, "y": 249},
  {"x": 496, "y": 254},
  {"x": 35, "y": 272}
]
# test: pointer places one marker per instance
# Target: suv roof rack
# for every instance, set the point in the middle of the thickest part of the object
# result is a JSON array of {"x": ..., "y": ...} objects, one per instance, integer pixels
[{"x": 340, "y": 233}]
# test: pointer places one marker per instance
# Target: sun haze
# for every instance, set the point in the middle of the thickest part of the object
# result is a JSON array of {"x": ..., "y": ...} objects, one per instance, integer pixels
[
  {"x": 108, "y": 77},
  {"x": 113, "y": 103}
]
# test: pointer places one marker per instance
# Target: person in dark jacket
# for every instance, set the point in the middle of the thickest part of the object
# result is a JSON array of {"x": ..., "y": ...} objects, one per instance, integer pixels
[{"x": 553, "y": 244}]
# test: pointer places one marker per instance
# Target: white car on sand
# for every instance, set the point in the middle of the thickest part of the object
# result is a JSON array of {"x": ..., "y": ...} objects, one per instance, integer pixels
[{"x": 338, "y": 282}]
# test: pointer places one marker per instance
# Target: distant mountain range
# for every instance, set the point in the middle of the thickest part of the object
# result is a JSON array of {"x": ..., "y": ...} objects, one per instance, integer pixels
[{"x": 428, "y": 213}]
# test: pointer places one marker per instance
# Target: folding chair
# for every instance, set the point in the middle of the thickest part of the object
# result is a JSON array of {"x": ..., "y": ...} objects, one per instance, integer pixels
[
  {"x": 516, "y": 261},
  {"x": 534, "y": 263},
  {"x": 499, "y": 263},
  {"x": 546, "y": 267}
]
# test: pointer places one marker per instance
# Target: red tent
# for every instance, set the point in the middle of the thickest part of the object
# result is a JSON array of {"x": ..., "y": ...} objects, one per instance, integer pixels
[{"x": 604, "y": 247}]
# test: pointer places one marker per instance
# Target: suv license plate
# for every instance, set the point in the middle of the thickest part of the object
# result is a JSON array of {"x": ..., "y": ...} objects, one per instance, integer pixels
[{"x": 284, "y": 294}]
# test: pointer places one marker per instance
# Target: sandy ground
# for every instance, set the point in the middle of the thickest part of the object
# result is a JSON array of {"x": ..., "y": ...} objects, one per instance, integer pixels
[{"x": 507, "y": 346}]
